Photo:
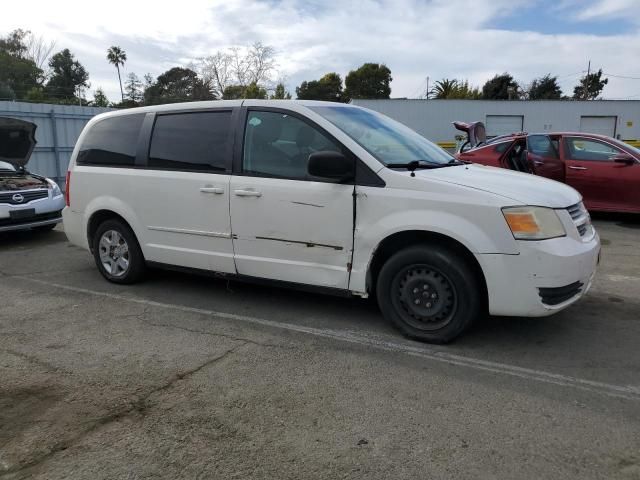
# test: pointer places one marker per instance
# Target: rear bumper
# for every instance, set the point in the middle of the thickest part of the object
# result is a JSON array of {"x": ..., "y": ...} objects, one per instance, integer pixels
[
  {"x": 546, "y": 277},
  {"x": 75, "y": 228}
]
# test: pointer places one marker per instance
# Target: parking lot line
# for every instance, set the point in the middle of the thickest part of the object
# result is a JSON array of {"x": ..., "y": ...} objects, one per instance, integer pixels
[{"x": 628, "y": 392}]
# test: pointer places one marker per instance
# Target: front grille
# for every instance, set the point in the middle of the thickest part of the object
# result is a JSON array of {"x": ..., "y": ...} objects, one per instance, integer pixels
[
  {"x": 27, "y": 196},
  {"x": 36, "y": 218},
  {"x": 580, "y": 218},
  {"x": 557, "y": 295}
]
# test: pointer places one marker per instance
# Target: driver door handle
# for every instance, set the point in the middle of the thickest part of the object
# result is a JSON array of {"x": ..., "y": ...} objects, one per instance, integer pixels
[
  {"x": 216, "y": 190},
  {"x": 577, "y": 168},
  {"x": 247, "y": 193}
]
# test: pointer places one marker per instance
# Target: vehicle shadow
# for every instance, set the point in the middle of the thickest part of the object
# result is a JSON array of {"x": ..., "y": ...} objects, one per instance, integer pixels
[
  {"x": 350, "y": 313},
  {"x": 626, "y": 220},
  {"x": 30, "y": 238}
]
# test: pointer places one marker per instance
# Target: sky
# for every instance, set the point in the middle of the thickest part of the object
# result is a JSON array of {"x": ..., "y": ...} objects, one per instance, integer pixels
[{"x": 416, "y": 39}]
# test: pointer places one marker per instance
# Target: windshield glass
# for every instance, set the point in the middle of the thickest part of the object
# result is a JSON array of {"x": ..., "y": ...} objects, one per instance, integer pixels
[
  {"x": 387, "y": 140},
  {"x": 625, "y": 145},
  {"x": 4, "y": 166}
]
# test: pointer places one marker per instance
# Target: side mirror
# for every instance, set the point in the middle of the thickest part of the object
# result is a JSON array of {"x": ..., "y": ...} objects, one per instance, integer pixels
[
  {"x": 623, "y": 158},
  {"x": 331, "y": 165}
]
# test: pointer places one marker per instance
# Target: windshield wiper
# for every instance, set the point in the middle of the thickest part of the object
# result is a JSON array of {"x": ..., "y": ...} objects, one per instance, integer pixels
[{"x": 413, "y": 165}]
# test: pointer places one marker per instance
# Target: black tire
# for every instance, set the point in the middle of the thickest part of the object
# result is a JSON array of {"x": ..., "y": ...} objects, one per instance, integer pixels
[
  {"x": 429, "y": 293},
  {"x": 135, "y": 268},
  {"x": 44, "y": 228}
]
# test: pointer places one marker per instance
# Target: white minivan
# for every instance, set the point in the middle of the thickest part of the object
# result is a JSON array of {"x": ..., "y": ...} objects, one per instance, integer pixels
[{"x": 326, "y": 196}]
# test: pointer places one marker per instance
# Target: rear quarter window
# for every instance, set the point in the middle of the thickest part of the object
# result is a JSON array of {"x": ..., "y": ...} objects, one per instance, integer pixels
[
  {"x": 195, "y": 141},
  {"x": 112, "y": 142}
]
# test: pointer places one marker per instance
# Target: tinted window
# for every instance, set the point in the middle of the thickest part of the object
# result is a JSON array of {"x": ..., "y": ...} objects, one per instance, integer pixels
[
  {"x": 587, "y": 149},
  {"x": 541, "y": 145},
  {"x": 190, "y": 141},
  {"x": 279, "y": 145},
  {"x": 502, "y": 147},
  {"x": 112, "y": 142}
]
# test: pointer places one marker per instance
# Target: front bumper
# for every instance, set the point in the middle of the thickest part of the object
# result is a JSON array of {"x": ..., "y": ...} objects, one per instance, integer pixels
[
  {"x": 546, "y": 277},
  {"x": 47, "y": 211}
]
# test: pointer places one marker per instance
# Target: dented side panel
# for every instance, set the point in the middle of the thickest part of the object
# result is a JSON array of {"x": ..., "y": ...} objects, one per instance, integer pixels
[
  {"x": 471, "y": 217},
  {"x": 291, "y": 230}
]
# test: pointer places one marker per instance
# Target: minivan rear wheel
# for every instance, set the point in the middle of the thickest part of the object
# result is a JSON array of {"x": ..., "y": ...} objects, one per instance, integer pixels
[
  {"x": 117, "y": 252},
  {"x": 429, "y": 293}
]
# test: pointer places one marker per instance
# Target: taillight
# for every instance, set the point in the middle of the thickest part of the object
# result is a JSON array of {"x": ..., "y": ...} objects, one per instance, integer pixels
[{"x": 67, "y": 187}]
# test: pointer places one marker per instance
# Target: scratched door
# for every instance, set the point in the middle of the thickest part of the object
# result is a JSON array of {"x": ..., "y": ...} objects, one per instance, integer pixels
[{"x": 286, "y": 226}]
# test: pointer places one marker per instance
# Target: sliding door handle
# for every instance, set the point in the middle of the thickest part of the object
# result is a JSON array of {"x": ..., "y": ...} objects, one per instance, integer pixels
[
  {"x": 577, "y": 168},
  {"x": 247, "y": 193},
  {"x": 216, "y": 190}
]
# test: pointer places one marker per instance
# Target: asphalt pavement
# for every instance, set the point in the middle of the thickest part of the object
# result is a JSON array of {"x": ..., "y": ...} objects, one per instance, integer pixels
[{"x": 185, "y": 376}]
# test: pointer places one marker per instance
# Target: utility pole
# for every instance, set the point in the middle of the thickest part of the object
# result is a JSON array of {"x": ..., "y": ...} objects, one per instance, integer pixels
[
  {"x": 427, "y": 87},
  {"x": 585, "y": 90}
]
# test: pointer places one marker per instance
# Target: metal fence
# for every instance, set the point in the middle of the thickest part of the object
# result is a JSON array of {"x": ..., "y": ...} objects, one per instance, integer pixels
[{"x": 59, "y": 127}]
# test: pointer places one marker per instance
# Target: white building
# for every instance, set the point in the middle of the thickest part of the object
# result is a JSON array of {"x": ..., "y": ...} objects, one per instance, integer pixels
[{"x": 432, "y": 118}]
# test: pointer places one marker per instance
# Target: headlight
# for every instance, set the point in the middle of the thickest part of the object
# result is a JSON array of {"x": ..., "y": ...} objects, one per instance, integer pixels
[
  {"x": 55, "y": 189},
  {"x": 533, "y": 223}
]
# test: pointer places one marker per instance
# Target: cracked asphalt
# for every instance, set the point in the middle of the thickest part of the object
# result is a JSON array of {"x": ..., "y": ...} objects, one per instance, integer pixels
[{"x": 190, "y": 377}]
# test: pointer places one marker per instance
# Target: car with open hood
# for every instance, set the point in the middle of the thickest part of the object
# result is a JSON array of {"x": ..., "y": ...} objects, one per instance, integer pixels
[
  {"x": 604, "y": 170},
  {"x": 27, "y": 200},
  {"x": 329, "y": 197}
]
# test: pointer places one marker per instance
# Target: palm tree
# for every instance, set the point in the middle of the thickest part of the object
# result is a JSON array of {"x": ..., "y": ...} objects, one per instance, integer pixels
[
  {"x": 445, "y": 88},
  {"x": 117, "y": 57}
]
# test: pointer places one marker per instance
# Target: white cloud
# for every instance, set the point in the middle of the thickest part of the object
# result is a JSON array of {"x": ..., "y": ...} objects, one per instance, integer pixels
[{"x": 415, "y": 38}]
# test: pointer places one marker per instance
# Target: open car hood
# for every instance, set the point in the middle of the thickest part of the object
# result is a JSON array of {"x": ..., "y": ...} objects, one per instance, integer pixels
[
  {"x": 17, "y": 141},
  {"x": 476, "y": 132}
]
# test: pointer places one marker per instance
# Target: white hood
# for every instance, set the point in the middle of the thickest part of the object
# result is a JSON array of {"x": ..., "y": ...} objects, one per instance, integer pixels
[{"x": 522, "y": 188}]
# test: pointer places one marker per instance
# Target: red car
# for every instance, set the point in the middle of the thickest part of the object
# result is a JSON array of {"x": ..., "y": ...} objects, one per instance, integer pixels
[{"x": 604, "y": 170}]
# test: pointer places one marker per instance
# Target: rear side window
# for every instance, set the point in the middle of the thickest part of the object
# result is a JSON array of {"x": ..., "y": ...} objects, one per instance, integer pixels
[
  {"x": 190, "y": 141},
  {"x": 112, "y": 142}
]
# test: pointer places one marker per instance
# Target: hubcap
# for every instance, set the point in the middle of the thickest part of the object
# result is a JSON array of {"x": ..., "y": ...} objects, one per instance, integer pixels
[
  {"x": 424, "y": 297},
  {"x": 114, "y": 253}
]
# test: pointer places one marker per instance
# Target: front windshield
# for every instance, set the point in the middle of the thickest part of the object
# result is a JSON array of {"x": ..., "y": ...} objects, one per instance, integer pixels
[
  {"x": 626, "y": 145},
  {"x": 4, "y": 167},
  {"x": 387, "y": 140}
]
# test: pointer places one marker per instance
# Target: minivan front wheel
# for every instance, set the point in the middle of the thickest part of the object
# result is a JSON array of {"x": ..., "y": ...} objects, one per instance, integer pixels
[
  {"x": 429, "y": 293},
  {"x": 117, "y": 252}
]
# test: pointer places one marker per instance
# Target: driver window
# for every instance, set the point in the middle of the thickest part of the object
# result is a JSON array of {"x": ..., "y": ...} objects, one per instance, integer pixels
[
  {"x": 588, "y": 149},
  {"x": 278, "y": 145},
  {"x": 541, "y": 145}
]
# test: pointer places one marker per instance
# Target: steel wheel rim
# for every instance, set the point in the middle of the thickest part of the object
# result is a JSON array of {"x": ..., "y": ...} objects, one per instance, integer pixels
[
  {"x": 114, "y": 253},
  {"x": 424, "y": 297}
]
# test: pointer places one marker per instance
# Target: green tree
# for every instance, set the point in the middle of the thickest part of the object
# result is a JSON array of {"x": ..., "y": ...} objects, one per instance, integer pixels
[
  {"x": 116, "y": 56},
  {"x": 444, "y": 88},
  {"x": 455, "y": 89},
  {"x": 100, "y": 99},
  {"x": 590, "y": 86},
  {"x": 280, "y": 93},
  {"x": 545, "y": 88},
  {"x": 253, "y": 90},
  {"x": 6, "y": 92},
  {"x": 371, "y": 80},
  {"x": 67, "y": 77},
  {"x": 18, "y": 73},
  {"x": 178, "y": 85},
  {"x": 501, "y": 87},
  {"x": 328, "y": 88},
  {"x": 233, "y": 92},
  {"x": 133, "y": 89},
  {"x": 36, "y": 95}
]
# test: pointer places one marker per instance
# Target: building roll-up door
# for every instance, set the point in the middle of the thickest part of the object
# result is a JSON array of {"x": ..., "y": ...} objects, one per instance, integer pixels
[
  {"x": 600, "y": 125},
  {"x": 503, "y": 124}
]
